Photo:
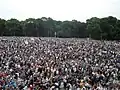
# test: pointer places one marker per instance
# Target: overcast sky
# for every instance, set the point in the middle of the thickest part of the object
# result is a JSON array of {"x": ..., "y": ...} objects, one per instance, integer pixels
[{"x": 59, "y": 9}]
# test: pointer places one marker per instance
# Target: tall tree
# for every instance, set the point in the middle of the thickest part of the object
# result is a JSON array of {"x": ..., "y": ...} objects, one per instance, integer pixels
[
  {"x": 2, "y": 26},
  {"x": 93, "y": 27},
  {"x": 13, "y": 27}
]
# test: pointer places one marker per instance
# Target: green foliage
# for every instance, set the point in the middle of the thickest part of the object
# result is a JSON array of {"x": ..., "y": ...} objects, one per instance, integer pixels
[
  {"x": 2, "y": 26},
  {"x": 107, "y": 28},
  {"x": 93, "y": 27},
  {"x": 13, "y": 27}
]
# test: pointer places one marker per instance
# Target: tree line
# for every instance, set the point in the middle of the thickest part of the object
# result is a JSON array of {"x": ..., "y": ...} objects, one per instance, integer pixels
[{"x": 107, "y": 28}]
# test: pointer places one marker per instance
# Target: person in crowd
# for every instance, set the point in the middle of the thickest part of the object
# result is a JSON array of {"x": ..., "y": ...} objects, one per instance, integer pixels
[{"x": 59, "y": 64}]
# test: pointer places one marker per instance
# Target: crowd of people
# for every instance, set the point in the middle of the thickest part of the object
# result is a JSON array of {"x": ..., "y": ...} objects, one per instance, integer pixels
[{"x": 31, "y": 63}]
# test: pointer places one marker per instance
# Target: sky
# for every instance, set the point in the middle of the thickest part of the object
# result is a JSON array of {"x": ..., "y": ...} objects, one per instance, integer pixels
[{"x": 80, "y": 10}]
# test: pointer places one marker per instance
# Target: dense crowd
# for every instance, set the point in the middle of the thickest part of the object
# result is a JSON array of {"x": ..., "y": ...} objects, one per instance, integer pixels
[{"x": 28, "y": 63}]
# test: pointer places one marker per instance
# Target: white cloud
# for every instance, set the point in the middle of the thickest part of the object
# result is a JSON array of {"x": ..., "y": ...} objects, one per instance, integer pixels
[{"x": 59, "y": 9}]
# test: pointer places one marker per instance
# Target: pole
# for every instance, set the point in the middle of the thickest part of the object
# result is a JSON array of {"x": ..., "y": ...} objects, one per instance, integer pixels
[{"x": 55, "y": 34}]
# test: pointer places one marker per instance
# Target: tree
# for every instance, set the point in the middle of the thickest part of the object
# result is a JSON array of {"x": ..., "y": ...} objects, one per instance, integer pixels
[
  {"x": 107, "y": 28},
  {"x": 30, "y": 27},
  {"x": 93, "y": 28},
  {"x": 2, "y": 26},
  {"x": 13, "y": 27}
]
